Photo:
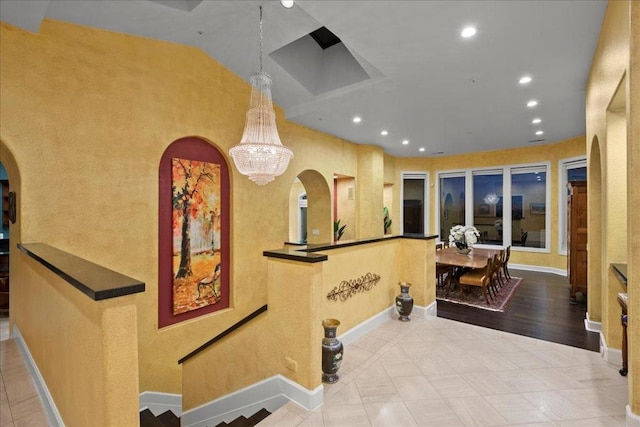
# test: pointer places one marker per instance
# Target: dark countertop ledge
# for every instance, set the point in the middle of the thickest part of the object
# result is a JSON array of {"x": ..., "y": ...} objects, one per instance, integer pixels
[
  {"x": 620, "y": 271},
  {"x": 95, "y": 281},
  {"x": 307, "y": 253}
]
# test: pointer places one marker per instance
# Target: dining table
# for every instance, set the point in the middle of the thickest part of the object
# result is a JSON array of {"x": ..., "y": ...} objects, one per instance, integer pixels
[
  {"x": 477, "y": 258},
  {"x": 460, "y": 263}
]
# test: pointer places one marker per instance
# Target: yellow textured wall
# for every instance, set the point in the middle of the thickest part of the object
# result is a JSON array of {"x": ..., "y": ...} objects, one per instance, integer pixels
[
  {"x": 369, "y": 192},
  {"x": 87, "y": 115},
  {"x": 97, "y": 384},
  {"x": 633, "y": 205},
  {"x": 617, "y": 59},
  {"x": 351, "y": 264},
  {"x": 346, "y": 206}
]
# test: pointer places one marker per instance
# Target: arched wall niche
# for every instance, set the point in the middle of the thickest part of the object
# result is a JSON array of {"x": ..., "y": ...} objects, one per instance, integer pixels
[
  {"x": 344, "y": 204},
  {"x": 209, "y": 241},
  {"x": 319, "y": 217}
]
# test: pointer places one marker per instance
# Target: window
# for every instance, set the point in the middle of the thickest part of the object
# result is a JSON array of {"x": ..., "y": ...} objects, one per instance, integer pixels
[
  {"x": 508, "y": 205},
  {"x": 487, "y": 206},
  {"x": 414, "y": 197},
  {"x": 451, "y": 202},
  {"x": 574, "y": 169},
  {"x": 528, "y": 207}
]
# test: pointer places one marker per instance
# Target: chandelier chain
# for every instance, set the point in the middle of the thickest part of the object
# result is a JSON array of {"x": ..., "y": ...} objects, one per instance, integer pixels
[{"x": 261, "y": 39}]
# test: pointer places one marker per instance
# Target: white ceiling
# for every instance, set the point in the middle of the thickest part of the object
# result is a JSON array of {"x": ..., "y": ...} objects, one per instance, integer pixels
[{"x": 426, "y": 83}]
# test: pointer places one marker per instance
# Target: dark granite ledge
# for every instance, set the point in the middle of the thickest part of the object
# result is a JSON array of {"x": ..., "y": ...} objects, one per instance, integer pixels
[
  {"x": 97, "y": 282},
  {"x": 306, "y": 253},
  {"x": 620, "y": 270}
]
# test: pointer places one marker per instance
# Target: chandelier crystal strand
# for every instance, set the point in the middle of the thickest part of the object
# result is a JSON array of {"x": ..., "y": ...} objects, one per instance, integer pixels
[{"x": 260, "y": 154}]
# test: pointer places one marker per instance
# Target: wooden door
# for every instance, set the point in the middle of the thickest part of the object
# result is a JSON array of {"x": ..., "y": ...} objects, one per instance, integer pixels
[{"x": 577, "y": 238}]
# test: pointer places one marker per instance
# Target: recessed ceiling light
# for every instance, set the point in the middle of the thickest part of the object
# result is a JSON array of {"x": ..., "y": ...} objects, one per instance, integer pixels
[
  {"x": 421, "y": 149},
  {"x": 287, "y": 3},
  {"x": 536, "y": 121},
  {"x": 384, "y": 133},
  {"x": 524, "y": 80},
  {"x": 532, "y": 103},
  {"x": 468, "y": 32},
  {"x": 357, "y": 119},
  {"x": 405, "y": 142},
  {"x": 539, "y": 132}
]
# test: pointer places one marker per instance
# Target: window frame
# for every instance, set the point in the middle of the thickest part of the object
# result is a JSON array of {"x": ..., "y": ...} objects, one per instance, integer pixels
[
  {"x": 427, "y": 205},
  {"x": 506, "y": 195}
]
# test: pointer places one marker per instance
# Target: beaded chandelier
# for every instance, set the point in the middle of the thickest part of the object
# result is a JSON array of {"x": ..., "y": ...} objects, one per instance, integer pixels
[{"x": 260, "y": 154}]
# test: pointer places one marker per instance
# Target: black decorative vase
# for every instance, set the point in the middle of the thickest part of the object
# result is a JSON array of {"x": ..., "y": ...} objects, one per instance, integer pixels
[
  {"x": 332, "y": 351},
  {"x": 404, "y": 302}
]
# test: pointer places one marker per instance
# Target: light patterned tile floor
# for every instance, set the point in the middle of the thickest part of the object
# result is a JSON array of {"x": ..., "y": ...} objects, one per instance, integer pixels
[
  {"x": 427, "y": 372},
  {"x": 20, "y": 404},
  {"x": 438, "y": 372}
]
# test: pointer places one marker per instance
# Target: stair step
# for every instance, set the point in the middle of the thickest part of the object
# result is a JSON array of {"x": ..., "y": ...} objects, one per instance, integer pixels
[
  {"x": 169, "y": 419},
  {"x": 241, "y": 421},
  {"x": 259, "y": 416},
  {"x": 147, "y": 419}
]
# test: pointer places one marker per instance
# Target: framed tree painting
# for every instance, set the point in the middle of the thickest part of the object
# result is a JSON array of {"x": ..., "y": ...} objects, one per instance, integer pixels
[{"x": 196, "y": 234}]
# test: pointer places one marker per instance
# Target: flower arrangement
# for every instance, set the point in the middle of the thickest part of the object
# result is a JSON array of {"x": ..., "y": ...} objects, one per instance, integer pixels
[{"x": 463, "y": 236}]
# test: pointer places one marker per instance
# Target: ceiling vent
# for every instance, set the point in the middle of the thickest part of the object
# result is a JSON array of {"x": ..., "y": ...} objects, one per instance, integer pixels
[{"x": 320, "y": 62}]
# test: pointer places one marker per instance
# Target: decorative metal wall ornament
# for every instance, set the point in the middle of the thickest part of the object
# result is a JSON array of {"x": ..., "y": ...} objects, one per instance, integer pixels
[{"x": 348, "y": 288}]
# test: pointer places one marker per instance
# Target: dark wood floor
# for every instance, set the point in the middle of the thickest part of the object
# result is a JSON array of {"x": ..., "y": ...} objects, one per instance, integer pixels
[{"x": 540, "y": 308}]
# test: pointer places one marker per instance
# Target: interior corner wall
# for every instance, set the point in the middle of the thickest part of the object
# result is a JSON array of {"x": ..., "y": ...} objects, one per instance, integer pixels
[
  {"x": 633, "y": 205},
  {"x": 369, "y": 192},
  {"x": 618, "y": 55}
]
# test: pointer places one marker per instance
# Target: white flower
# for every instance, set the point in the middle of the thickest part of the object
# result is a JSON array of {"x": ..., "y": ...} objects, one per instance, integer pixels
[{"x": 464, "y": 234}]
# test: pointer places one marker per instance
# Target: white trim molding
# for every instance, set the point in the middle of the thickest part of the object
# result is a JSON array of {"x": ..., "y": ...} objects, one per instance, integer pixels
[
  {"x": 159, "y": 403},
  {"x": 269, "y": 394},
  {"x": 611, "y": 355},
  {"x": 592, "y": 325},
  {"x": 539, "y": 268},
  {"x": 633, "y": 420},
  {"x": 55, "y": 420}
]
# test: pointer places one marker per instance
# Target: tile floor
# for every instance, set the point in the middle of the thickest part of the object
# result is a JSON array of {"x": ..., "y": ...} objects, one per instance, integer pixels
[
  {"x": 20, "y": 404},
  {"x": 427, "y": 372},
  {"x": 438, "y": 372}
]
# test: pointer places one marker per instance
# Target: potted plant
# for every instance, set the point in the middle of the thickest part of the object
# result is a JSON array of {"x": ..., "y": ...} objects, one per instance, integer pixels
[
  {"x": 387, "y": 220},
  {"x": 338, "y": 230}
]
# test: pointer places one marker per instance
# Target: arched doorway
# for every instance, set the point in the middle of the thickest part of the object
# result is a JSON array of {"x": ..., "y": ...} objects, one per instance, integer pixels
[
  {"x": 319, "y": 227},
  {"x": 10, "y": 232}
]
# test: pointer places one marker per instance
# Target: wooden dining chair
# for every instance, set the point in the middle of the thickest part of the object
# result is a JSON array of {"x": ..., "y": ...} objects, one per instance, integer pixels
[
  {"x": 444, "y": 272},
  {"x": 505, "y": 263},
  {"x": 494, "y": 280},
  {"x": 480, "y": 277},
  {"x": 497, "y": 266}
]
